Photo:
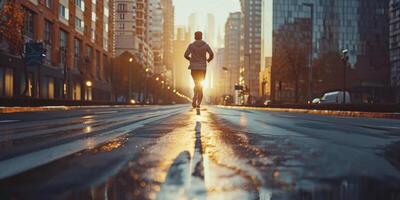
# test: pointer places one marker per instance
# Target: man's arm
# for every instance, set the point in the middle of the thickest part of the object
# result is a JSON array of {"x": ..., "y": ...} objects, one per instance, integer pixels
[
  {"x": 210, "y": 54},
  {"x": 187, "y": 53}
]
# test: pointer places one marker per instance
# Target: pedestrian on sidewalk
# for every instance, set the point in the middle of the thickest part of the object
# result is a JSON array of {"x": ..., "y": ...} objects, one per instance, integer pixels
[{"x": 196, "y": 53}]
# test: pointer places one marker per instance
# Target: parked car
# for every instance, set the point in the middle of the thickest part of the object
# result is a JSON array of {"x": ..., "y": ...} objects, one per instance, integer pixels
[
  {"x": 316, "y": 101},
  {"x": 335, "y": 97}
]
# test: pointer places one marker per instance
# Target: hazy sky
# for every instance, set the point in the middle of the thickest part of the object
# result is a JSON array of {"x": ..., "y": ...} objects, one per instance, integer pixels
[{"x": 220, "y": 9}]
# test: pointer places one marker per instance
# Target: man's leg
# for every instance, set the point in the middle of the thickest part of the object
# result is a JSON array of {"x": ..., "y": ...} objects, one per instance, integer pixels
[
  {"x": 194, "y": 100},
  {"x": 201, "y": 76}
]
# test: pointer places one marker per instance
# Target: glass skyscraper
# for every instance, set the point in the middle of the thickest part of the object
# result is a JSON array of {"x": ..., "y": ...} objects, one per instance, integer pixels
[
  {"x": 251, "y": 46},
  {"x": 394, "y": 13},
  {"x": 360, "y": 26}
]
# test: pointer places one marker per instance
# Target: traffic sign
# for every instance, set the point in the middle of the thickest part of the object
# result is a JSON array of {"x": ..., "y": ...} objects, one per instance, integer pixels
[{"x": 34, "y": 53}]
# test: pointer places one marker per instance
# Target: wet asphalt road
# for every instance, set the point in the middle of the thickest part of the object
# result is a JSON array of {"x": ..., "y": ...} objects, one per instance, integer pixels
[{"x": 168, "y": 152}]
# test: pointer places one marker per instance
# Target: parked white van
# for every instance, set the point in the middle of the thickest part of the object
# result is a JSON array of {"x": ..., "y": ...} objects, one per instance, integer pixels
[{"x": 335, "y": 97}]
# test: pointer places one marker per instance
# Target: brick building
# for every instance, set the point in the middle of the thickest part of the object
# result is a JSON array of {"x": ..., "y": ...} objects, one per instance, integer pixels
[{"x": 78, "y": 37}]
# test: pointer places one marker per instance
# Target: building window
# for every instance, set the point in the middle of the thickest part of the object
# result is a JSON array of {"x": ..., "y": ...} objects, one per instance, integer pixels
[
  {"x": 122, "y": 16},
  {"x": 79, "y": 24},
  {"x": 105, "y": 67},
  {"x": 1, "y": 81},
  {"x": 92, "y": 34},
  {"x": 90, "y": 59},
  {"x": 77, "y": 91},
  {"x": 47, "y": 31},
  {"x": 63, "y": 46},
  {"x": 105, "y": 43},
  {"x": 98, "y": 64},
  {"x": 121, "y": 7},
  {"x": 49, "y": 3},
  {"x": 48, "y": 26},
  {"x": 64, "y": 12},
  {"x": 29, "y": 23},
  {"x": 30, "y": 84},
  {"x": 80, "y": 4},
  {"x": 77, "y": 52}
]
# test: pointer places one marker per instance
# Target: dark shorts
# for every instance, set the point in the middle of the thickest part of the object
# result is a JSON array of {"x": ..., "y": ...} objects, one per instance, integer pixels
[{"x": 198, "y": 75}]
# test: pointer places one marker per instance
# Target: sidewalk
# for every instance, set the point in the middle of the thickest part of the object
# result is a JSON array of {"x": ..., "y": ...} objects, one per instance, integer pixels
[{"x": 383, "y": 115}]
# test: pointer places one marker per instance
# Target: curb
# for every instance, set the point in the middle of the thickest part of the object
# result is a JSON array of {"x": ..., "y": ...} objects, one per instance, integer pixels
[
  {"x": 381, "y": 115},
  {"x": 4, "y": 110}
]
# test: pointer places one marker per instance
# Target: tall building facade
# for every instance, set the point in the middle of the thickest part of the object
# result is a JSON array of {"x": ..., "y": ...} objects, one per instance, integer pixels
[
  {"x": 251, "y": 46},
  {"x": 193, "y": 24},
  {"x": 334, "y": 26},
  {"x": 78, "y": 38},
  {"x": 181, "y": 74},
  {"x": 156, "y": 28},
  {"x": 232, "y": 50},
  {"x": 210, "y": 27},
  {"x": 132, "y": 30},
  {"x": 168, "y": 38},
  {"x": 220, "y": 77},
  {"x": 125, "y": 27},
  {"x": 394, "y": 13}
]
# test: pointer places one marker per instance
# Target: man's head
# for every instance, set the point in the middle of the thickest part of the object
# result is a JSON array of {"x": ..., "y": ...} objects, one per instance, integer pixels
[{"x": 198, "y": 35}]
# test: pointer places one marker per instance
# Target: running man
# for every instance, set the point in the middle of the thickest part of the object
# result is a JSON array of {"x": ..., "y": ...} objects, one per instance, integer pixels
[{"x": 196, "y": 53}]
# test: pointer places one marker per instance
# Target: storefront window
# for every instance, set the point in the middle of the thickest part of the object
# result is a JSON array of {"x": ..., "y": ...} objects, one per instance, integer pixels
[
  {"x": 51, "y": 88},
  {"x": 1, "y": 81},
  {"x": 9, "y": 82}
]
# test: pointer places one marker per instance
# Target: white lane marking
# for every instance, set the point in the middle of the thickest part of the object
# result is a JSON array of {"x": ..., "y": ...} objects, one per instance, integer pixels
[
  {"x": 35, "y": 159},
  {"x": 9, "y": 121},
  {"x": 106, "y": 112}
]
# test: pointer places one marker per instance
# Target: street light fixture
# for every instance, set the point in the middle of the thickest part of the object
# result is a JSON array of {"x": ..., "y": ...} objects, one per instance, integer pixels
[
  {"x": 157, "y": 79},
  {"x": 89, "y": 83}
]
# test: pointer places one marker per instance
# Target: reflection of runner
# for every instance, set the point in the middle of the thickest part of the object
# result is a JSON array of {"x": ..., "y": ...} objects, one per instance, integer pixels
[{"x": 196, "y": 53}]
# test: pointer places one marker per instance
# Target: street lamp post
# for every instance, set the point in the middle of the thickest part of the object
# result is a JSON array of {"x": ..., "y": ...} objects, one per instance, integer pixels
[
  {"x": 130, "y": 80},
  {"x": 226, "y": 80},
  {"x": 345, "y": 60},
  {"x": 88, "y": 95},
  {"x": 65, "y": 70},
  {"x": 145, "y": 85},
  {"x": 248, "y": 77},
  {"x": 310, "y": 90}
]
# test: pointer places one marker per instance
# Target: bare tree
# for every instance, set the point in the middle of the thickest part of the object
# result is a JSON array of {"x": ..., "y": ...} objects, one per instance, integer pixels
[{"x": 291, "y": 54}]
